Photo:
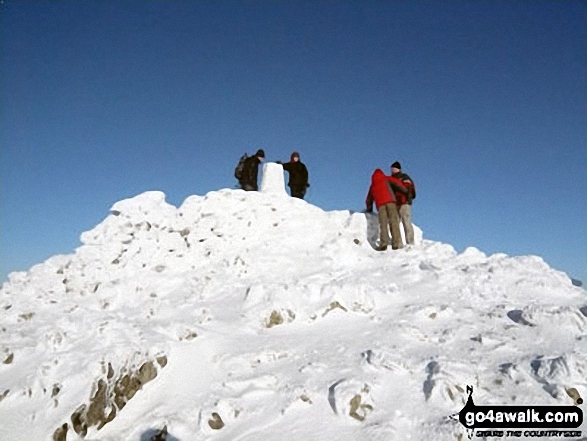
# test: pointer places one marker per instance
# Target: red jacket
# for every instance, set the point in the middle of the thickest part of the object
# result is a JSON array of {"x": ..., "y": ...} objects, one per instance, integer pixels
[
  {"x": 380, "y": 190},
  {"x": 405, "y": 198}
]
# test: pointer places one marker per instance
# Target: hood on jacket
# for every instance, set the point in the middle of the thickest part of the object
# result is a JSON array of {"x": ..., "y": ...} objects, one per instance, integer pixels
[{"x": 378, "y": 175}]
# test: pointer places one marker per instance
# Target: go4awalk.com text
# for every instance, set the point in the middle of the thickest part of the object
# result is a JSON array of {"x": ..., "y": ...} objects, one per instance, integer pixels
[
  {"x": 524, "y": 416},
  {"x": 529, "y": 433},
  {"x": 521, "y": 421}
]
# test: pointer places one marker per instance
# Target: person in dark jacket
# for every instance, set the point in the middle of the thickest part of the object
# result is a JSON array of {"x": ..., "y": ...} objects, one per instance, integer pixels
[
  {"x": 382, "y": 192},
  {"x": 404, "y": 201},
  {"x": 298, "y": 176},
  {"x": 251, "y": 171}
]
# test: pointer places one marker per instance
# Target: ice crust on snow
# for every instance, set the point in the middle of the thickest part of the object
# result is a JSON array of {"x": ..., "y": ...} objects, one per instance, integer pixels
[{"x": 279, "y": 320}]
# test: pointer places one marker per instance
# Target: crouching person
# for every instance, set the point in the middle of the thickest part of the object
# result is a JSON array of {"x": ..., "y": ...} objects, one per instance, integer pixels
[{"x": 382, "y": 192}]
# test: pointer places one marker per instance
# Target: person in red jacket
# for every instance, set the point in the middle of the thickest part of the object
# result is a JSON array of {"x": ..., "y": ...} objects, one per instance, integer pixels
[{"x": 382, "y": 192}]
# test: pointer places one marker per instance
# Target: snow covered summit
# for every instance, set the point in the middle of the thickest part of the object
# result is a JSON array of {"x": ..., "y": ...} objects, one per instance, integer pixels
[{"x": 248, "y": 315}]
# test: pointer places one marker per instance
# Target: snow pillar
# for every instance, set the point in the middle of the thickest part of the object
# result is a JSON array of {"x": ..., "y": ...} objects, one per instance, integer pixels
[{"x": 273, "y": 181}]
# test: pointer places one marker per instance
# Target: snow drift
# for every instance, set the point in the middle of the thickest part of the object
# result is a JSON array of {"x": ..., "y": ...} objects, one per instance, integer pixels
[{"x": 252, "y": 315}]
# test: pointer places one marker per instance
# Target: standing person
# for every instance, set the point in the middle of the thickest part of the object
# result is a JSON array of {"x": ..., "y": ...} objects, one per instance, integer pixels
[
  {"x": 405, "y": 201},
  {"x": 298, "y": 176},
  {"x": 251, "y": 171},
  {"x": 382, "y": 191}
]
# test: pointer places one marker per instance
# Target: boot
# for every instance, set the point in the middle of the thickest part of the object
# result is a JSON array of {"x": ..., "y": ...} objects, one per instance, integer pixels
[{"x": 381, "y": 247}]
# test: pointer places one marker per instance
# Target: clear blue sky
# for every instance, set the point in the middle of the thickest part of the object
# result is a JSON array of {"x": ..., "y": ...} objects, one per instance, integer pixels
[{"x": 483, "y": 102}]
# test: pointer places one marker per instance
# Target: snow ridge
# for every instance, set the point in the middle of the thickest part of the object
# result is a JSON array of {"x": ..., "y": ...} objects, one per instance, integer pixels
[{"x": 245, "y": 315}]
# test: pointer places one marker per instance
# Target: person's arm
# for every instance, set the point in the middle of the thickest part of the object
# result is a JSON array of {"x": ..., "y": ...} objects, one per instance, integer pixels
[
  {"x": 397, "y": 185},
  {"x": 409, "y": 183},
  {"x": 255, "y": 174},
  {"x": 369, "y": 201},
  {"x": 412, "y": 190},
  {"x": 305, "y": 175}
]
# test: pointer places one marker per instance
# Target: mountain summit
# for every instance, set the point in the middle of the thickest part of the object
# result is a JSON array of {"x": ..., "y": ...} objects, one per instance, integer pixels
[{"x": 253, "y": 315}]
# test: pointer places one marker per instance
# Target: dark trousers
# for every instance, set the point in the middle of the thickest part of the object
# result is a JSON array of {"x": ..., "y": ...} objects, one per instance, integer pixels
[{"x": 298, "y": 192}]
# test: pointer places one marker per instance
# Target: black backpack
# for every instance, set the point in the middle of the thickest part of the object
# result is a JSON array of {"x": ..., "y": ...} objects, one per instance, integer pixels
[{"x": 238, "y": 171}]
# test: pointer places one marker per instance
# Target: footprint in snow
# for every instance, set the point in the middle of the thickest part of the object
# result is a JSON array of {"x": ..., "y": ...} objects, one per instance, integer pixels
[
  {"x": 547, "y": 370},
  {"x": 428, "y": 266},
  {"x": 331, "y": 397},
  {"x": 517, "y": 317},
  {"x": 432, "y": 369}
]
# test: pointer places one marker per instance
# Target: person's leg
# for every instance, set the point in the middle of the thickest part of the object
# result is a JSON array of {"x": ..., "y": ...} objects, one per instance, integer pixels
[
  {"x": 383, "y": 228},
  {"x": 396, "y": 235},
  {"x": 405, "y": 213}
]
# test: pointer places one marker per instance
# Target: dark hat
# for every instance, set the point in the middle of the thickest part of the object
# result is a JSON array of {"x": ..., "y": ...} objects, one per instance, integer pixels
[
  {"x": 396, "y": 165},
  {"x": 295, "y": 155},
  {"x": 260, "y": 153}
]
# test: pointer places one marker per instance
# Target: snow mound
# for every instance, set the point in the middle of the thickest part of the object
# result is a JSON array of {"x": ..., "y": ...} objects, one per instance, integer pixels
[{"x": 245, "y": 315}]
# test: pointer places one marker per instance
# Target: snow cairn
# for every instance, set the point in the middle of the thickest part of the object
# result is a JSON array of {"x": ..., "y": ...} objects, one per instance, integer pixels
[{"x": 273, "y": 181}]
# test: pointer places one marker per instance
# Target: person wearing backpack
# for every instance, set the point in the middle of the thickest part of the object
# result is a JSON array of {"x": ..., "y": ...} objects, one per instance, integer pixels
[
  {"x": 298, "y": 176},
  {"x": 250, "y": 171},
  {"x": 238, "y": 170},
  {"x": 404, "y": 201},
  {"x": 382, "y": 192}
]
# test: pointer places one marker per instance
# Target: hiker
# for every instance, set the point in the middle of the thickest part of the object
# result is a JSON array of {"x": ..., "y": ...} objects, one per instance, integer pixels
[
  {"x": 298, "y": 176},
  {"x": 382, "y": 191},
  {"x": 404, "y": 201},
  {"x": 250, "y": 172}
]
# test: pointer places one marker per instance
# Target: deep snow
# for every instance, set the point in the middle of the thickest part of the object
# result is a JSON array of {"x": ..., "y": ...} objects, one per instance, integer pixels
[{"x": 280, "y": 320}]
